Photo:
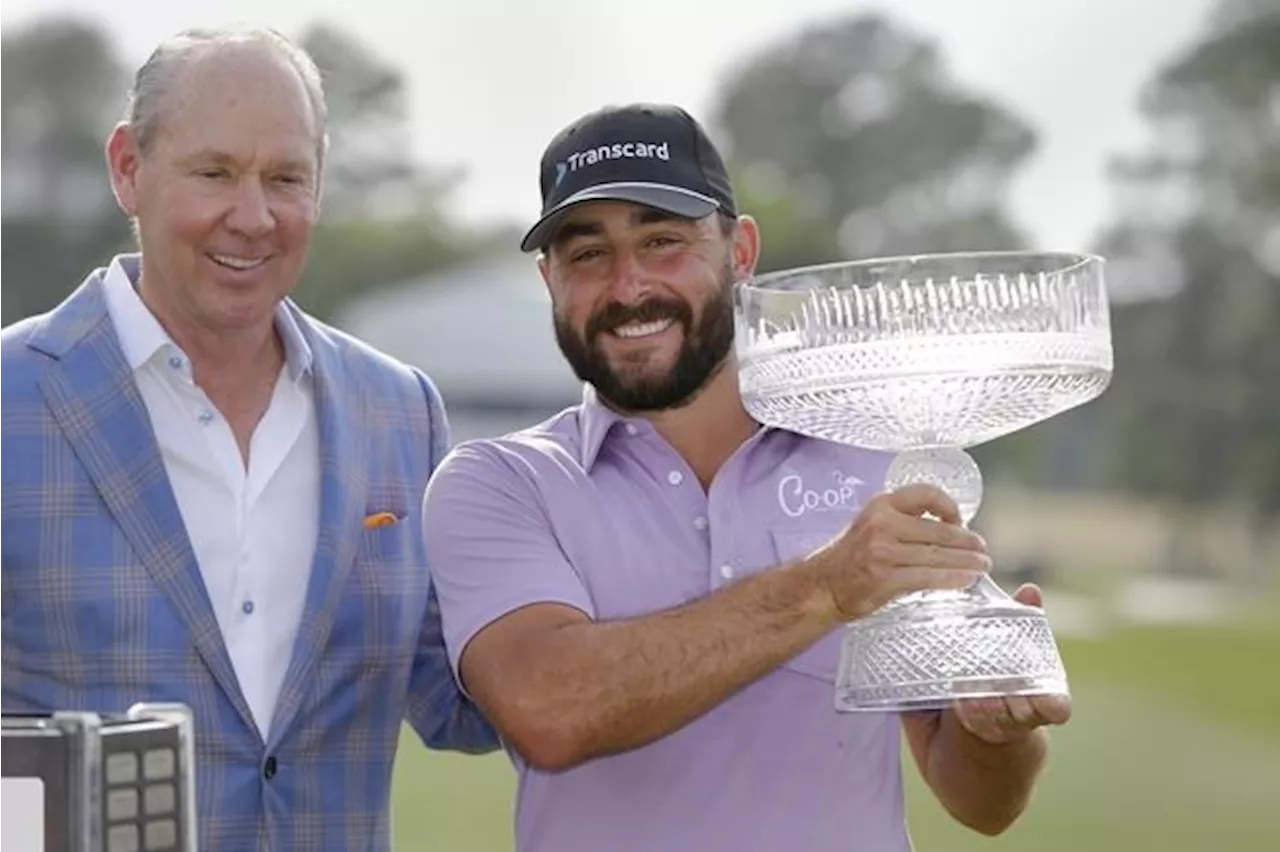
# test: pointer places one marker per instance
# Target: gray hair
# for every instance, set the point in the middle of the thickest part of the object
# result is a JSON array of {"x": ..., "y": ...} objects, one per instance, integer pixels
[{"x": 153, "y": 81}]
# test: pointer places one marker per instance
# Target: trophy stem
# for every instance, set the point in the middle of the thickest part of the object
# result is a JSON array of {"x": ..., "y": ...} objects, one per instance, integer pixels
[
  {"x": 988, "y": 590},
  {"x": 924, "y": 650},
  {"x": 954, "y": 471},
  {"x": 949, "y": 468}
]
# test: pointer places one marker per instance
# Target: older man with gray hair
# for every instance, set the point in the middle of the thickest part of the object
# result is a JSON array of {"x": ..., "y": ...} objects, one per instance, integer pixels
[{"x": 210, "y": 497}]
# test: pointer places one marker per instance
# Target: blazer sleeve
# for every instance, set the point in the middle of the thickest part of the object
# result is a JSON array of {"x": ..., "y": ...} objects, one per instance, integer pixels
[{"x": 442, "y": 715}]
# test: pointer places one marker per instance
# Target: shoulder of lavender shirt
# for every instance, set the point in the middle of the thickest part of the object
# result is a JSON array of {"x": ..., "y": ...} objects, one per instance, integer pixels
[{"x": 490, "y": 539}]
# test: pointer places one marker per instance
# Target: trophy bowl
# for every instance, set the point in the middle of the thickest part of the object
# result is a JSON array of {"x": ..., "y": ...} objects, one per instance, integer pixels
[{"x": 923, "y": 357}]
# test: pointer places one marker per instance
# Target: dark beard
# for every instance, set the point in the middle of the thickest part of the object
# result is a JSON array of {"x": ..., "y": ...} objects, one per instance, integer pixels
[{"x": 701, "y": 355}]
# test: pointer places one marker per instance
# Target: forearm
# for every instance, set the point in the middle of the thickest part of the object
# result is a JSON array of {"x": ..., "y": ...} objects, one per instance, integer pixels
[
  {"x": 984, "y": 786},
  {"x": 597, "y": 688}
]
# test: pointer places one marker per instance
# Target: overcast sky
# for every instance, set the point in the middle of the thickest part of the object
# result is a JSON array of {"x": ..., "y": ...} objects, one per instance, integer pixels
[{"x": 492, "y": 80}]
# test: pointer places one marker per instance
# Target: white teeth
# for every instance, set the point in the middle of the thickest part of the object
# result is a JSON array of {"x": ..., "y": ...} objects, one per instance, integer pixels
[
  {"x": 643, "y": 329},
  {"x": 238, "y": 262}
]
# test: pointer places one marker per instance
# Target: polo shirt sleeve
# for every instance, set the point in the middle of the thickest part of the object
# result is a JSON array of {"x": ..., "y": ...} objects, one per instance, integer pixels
[{"x": 490, "y": 547}]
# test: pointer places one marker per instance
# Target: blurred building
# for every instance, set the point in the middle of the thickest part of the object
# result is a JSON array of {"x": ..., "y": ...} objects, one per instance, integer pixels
[{"x": 483, "y": 333}]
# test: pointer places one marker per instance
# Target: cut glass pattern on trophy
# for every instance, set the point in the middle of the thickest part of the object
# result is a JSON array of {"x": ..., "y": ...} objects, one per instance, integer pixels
[
  {"x": 922, "y": 359},
  {"x": 926, "y": 663}
]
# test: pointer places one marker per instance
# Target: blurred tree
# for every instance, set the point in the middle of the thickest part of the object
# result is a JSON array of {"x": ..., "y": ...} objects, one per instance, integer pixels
[
  {"x": 63, "y": 88},
  {"x": 382, "y": 218},
  {"x": 848, "y": 139},
  {"x": 371, "y": 172},
  {"x": 356, "y": 257},
  {"x": 1196, "y": 253}
]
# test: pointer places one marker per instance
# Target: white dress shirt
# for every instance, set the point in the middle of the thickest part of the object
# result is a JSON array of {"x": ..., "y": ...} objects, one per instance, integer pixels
[{"x": 253, "y": 529}]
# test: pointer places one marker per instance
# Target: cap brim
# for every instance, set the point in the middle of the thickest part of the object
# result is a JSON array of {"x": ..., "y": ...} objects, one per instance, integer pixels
[{"x": 670, "y": 199}]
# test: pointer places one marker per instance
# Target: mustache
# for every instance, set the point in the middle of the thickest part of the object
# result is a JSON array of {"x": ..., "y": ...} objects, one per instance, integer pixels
[{"x": 616, "y": 314}]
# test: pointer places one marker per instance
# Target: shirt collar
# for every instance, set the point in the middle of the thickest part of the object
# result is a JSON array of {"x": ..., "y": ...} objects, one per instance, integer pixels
[
  {"x": 141, "y": 335},
  {"x": 597, "y": 420}
]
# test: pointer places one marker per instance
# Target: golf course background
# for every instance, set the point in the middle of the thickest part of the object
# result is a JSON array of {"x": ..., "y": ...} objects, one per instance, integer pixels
[{"x": 1174, "y": 747}]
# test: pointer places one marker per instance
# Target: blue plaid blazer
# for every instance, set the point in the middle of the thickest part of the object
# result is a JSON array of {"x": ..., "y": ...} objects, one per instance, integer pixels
[{"x": 104, "y": 606}]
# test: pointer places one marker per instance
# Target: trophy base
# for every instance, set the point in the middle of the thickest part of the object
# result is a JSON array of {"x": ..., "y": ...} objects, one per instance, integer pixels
[{"x": 929, "y": 649}]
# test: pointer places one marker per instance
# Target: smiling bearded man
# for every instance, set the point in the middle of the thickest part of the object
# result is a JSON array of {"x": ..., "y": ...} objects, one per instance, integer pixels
[{"x": 638, "y": 591}]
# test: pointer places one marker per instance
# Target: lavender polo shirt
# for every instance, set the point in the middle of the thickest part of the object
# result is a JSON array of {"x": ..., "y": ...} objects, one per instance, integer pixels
[{"x": 597, "y": 511}]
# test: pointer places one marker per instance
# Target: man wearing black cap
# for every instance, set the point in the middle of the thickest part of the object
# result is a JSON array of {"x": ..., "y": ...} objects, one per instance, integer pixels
[
  {"x": 612, "y": 155},
  {"x": 645, "y": 592}
]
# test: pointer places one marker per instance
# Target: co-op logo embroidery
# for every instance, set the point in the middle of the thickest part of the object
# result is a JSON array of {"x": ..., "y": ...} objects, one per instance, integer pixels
[{"x": 838, "y": 492}]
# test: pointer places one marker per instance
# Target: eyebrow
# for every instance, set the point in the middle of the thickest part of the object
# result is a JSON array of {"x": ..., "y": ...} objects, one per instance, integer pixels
[
  {"x": 221, "y": 158},
  {"x": 593, "y": 227}
]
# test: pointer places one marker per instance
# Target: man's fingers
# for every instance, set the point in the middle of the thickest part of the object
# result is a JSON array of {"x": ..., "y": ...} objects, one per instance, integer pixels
[
  {"x": 946, "y": 558},
  {"x": 979, "y": 715},
  {"x": 907, "y": 580},
  {"x": 921, "y": 499},
  {"x": 1004, "y": 719},
  {"x": 1052, "y": 709},
  {"x": 927, "y": 531},
  {"x": 1029, "y": 594},
  {"x": 1020, "y": 709}
]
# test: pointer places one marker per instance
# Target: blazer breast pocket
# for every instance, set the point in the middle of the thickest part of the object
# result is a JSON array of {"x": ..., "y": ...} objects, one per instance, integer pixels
[
  {"x": 389, "y": 581},
  {"x": 385, "y": 540},
  {"x": 820, "y": 659}
]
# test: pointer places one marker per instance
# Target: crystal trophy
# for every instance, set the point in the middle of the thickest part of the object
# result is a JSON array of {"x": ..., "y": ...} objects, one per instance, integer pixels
[{"x": 923, "y": 357}]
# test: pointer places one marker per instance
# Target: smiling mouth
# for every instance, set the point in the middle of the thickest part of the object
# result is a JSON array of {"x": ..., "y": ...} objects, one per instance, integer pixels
[
  {"x": 636, "y": 330},
  {"x": 240, "y": 264}
]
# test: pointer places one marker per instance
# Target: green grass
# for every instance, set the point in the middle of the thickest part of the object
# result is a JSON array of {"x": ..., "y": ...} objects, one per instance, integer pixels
[
  {"x": 451, "y": 803},
  {"x": 1174, "y": 746},
  {"x": 1227, "y": 674}
]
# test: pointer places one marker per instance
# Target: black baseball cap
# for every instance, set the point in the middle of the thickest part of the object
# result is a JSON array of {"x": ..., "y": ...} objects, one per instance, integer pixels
[{"x": 651, "y": 154}]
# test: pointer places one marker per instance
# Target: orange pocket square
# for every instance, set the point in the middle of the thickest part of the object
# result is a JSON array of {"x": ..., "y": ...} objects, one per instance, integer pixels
[{"x": 379, "y": 519}]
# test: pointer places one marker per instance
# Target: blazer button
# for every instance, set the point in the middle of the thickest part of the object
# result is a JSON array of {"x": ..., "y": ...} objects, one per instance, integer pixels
[{"x": 269, "y": 768}]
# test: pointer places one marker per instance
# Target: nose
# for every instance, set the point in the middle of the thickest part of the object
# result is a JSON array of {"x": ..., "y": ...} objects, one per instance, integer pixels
[
  {"x": 251, "y": 213},
  {"x": 630, "y": 284}
]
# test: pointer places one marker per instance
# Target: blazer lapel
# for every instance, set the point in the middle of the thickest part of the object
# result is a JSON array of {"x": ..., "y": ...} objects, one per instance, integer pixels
[
  {"x": 93, "y": 397},
  {"x": 344, "y": 485}
]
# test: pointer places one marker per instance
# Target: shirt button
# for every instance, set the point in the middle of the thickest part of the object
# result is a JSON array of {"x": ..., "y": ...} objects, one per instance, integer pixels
[
  {"x": 269, "y": 768},
  {"x": 699, "y": 523},
  {"x": 675, "y": 477},
  {"x": 726, "y": 571},
  {"x": 631, "y": 429},
  {"x": 205, "y": 417},
  {"x": 247, "y": 607},
  {"x": 175, "y": 362}
]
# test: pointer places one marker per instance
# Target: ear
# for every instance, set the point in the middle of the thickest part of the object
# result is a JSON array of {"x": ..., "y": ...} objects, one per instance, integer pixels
[
  {"x": 746, "y": 247},
  {"x": 544, "y": 269},
  {"x": 123, "y": 159},
  {"x": 323, "y": 157}
]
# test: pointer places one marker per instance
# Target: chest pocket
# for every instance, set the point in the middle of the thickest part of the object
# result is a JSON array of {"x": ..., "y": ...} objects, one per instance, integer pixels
[
  {"x": 387, "y": 594},
  {"x": 820, "y": 659}
]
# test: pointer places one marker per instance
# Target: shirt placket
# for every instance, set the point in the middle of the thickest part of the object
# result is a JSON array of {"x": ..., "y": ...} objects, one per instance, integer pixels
[
  {"x": 239, "y": 614},
  {"x": 724, "y": 513},
  {"x": 682, "y": 494}
]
